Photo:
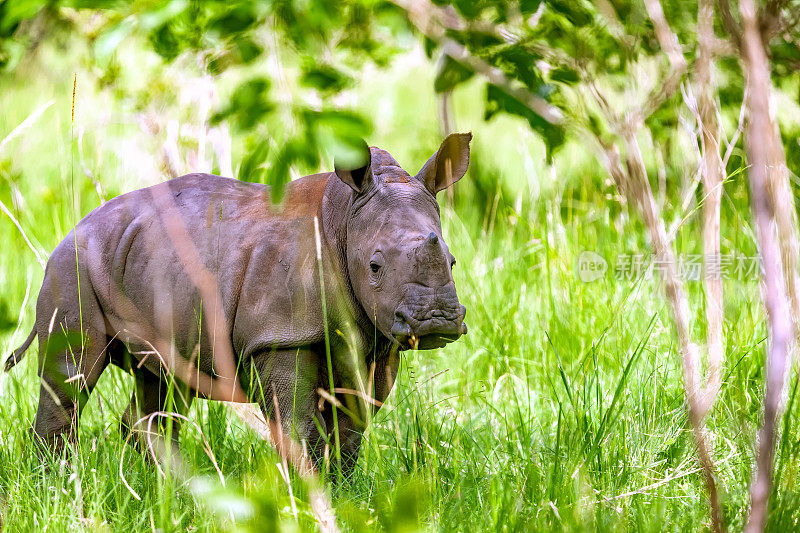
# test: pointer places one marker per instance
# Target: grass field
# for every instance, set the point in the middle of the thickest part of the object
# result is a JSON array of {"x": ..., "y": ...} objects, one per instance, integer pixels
[{"x": 562, "y": 409}]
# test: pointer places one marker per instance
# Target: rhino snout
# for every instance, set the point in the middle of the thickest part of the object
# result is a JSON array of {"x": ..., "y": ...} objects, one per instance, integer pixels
[{"x": 425, "y": 321}]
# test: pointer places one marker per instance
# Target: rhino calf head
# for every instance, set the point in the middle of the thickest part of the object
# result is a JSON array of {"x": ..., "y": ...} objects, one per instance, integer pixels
[{"x": 399, "y": 265}]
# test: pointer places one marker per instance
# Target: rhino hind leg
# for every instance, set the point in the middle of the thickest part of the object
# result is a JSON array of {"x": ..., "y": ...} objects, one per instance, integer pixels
[
  {"x": 69, "y": 365},
  {"x": 72, "y": 346},
  {"x": 148, "y": 418}
]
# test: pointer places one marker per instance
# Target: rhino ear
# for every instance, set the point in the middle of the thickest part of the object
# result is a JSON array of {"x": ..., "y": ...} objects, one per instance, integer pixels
[
  {"x": 448, "y": 164},
  {"x": 356, "y": 171}
]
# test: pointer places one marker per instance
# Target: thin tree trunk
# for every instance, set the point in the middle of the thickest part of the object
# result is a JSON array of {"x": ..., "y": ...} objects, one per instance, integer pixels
[
  {"x": 760, "y": 144},
  {"x": 713, "y": 174}
]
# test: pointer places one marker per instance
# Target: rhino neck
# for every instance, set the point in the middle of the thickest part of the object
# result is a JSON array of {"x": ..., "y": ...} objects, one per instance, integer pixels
[{"x": 336, "y": 210}]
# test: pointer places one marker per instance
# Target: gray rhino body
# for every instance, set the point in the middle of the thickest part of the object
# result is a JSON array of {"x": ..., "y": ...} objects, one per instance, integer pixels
[{"x": 350, "y": 269}]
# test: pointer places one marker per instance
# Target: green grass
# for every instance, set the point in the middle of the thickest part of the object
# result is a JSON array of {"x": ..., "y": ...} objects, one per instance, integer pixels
[{"x": 563, "y": 408}]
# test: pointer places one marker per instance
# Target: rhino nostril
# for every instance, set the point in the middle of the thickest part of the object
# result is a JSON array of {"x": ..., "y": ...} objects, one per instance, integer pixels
[{"x": 401, "y": 325}]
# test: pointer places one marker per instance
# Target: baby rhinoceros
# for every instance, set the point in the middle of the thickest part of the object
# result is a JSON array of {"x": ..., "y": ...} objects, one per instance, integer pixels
[{"x": 200, "y": 287}]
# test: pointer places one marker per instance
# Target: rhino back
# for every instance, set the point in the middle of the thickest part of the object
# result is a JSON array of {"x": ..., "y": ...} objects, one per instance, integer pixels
[{"x": 263, "y": 259}]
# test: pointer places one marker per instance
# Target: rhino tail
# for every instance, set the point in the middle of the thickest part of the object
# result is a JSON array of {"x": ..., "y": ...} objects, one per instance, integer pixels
[{"x": 19, "y": 353}]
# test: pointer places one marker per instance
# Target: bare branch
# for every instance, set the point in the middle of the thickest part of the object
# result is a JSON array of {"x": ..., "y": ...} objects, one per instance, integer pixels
[
  {"x": 631, "y": 178},
  {"x": 713, "y": 174}
]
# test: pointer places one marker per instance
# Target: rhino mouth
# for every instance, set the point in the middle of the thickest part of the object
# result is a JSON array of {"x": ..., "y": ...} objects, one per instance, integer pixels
[
  {"x": 428, "y": 318},
  {"x": 435, "y": 334},
  {"x": 425, "y": 342}
]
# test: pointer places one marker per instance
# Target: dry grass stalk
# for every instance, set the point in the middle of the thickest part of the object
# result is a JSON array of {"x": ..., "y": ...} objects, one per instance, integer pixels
[
  {"x": 39, "y": 259},
  {"x": 16, "y": 132},
  {"x": 206, "y": 283},
  {"x": 25, "y": 124},
  {"x": 289, "y": 450}
]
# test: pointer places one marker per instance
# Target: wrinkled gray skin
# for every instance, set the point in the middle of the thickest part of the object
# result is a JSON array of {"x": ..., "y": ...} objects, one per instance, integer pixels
[{"x": 386, "y": 272}]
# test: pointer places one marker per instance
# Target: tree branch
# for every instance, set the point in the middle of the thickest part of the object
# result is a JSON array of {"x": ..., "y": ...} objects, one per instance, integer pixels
[
  {"x": 428, "y": 19},
  {"x": 672, "y": 48},
  {"x": 731, "y": 26}
]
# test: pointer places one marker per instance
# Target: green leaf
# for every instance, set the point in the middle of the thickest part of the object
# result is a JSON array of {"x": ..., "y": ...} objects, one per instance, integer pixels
[
  {"x": 429, "y": 45},
  {"x": 497, "y": 100},
  {"x": 153, "y": 19},
  {"x": 248, "y": 104},
  {"x": 565, "y": 75},
  {"x": 165, "y": 43},
  {"x": 573, "y": 10},
  {"x": 339, "y": 133},
  {"x": 12, "y": 13},
  {"x": 248, "y": 50},
  {"x": 346, "y": 124},
  {"x": 235, "y": 20},
  {"x": 450, "y": 74},
  {"x": 528, "y": 7},
  {"x": 278, "y": 173},
  {"x": 520, "y": 63},
  {"x": 350, "y": 153},
  {"x": 251, "y": 167},
  {"x": 325, "y": 78},
  {"x": 107, "y": 43}
]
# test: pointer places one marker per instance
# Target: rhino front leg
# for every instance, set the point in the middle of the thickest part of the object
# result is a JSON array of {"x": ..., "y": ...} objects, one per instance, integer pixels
[
  {"x": 350, "y": 434},
  {"x": 379, "y": 381},
  {"x": 289, "y": 379}
]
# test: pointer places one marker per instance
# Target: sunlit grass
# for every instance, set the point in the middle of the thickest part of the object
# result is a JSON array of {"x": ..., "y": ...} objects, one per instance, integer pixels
[{"x": 562, "y": 409}]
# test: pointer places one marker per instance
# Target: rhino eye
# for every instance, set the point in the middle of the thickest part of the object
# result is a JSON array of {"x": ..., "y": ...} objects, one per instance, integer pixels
[{"x": 376, "y": 263}]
